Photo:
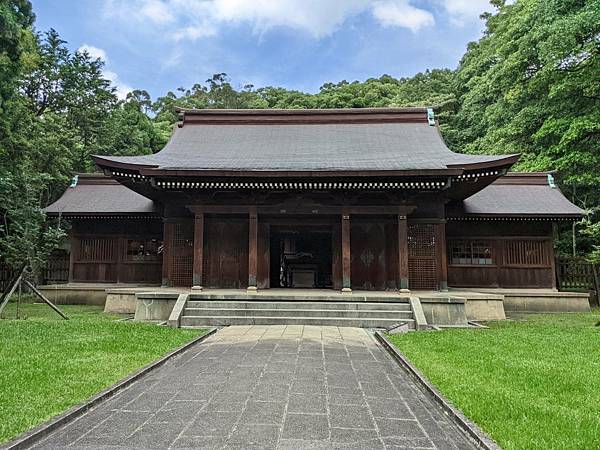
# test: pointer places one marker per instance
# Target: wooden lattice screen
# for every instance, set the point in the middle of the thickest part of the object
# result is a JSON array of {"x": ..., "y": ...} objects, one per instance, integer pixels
[
  {"x": 57, "y": 268},
  {"x": 526, "y": 253},
  {"x": 183, "y": 253},
  {"x": 101, "y": 250},
  {"x": 422, "y": 257}
]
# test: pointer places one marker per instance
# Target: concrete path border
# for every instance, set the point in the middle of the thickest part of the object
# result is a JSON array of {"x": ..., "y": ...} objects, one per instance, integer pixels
[
  {"x": 29, "y": 438},
  {"x": 467, "y": 426}
]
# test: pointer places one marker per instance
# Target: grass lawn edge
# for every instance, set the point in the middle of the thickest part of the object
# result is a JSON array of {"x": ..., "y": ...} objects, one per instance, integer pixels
[
  {"x": 37, "y": 433},
  {"x": 470, "y": 428}
]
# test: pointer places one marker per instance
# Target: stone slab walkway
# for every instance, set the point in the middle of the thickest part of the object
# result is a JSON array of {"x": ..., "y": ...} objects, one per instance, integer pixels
[{"x": 284, "y": 387}]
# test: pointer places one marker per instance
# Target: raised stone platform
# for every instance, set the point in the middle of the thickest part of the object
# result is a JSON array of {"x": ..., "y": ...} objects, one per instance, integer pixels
[
  {"x": 542, "y": 300},
  {"x": 455, "y": 307},
  {"x": 84, "y": 293}
]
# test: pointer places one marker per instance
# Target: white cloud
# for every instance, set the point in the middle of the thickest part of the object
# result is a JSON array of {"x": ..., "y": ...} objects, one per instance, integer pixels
[
  {"x": 402, "y": 14},
  {"x": 122, "y": 88},
  {"x": 194, "y": 19},
  {"x": 94, "y": 52},
  {"x": 319, "y": 18},
  {"x": 463, "y": 11},
  {"x": 157, "y": 11}
]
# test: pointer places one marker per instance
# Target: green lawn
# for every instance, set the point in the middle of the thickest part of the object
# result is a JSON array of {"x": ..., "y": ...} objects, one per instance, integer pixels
[
  {"x": 48, "y": 364},
  {"x": 533, "y": 382}
]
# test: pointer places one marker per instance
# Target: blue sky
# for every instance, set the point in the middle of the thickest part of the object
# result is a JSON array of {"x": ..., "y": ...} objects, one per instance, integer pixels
[{"x": 160, "y": 45}]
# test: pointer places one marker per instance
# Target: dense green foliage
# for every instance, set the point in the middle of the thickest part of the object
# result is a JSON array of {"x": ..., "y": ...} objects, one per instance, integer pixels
[
  {"x": 529, "y": 86},
  {"x": 48, "y": 364},
  {"x": 529, "y": 383}
]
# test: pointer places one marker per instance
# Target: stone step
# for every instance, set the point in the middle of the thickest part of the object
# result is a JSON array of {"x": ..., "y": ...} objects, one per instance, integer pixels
[
  {"x": 260, "y": 304},
  {"x": 265, "y": 296},
  {"x": 374, "y": 322},
  {"x": 303, "y": 312}
]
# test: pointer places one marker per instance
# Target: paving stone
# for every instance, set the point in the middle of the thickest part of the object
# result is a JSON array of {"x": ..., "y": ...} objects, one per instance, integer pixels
[
  {"x": 270, "y": 392},
  {"x": 196, "y": 442},
  {"x": 379, "y": 389},
  {"x": 362, "y": 445},
  {"x": 346, "y": 435},
  {"x": 290, "y": 387},
  {"x": 305, "y": 426},
  {"x": 179, "y": 411},
  {"x": 115, "y": 429},
  {"x": 389, "y": 408},
  {"x": 213, "y": 423},
  {"x": 252, "y": 435},
  {"x": 270, "y": 413},
  {"x": 356, "y": 417},
  {"x": 152, "y": 436},
  {"x": 295, "y": 444},
  {"x": 307, "y": 404},
  {"x": 279, "y": 367},
  {"x": 407, "y": 442},
  {"x": 343, "y": 390},
  {"x": 399, "y": 428},
  {"x": 308, "y": 386},
  {"x": 345, "y": 399}
]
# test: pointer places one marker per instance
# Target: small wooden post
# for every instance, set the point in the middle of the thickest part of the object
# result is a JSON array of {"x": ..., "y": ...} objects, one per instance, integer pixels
[
  {"x": 346, "y": 257},
  {"x": 73, "y": 255},
  {"x": 167, "y": 266},
  {"x": 198, "y": 251},
  {"x": 403, "y": 253},
  {"x": 48, "y": 302},
  {"x": 252, "y": 248},
  {"x": 442, "y": 255}
]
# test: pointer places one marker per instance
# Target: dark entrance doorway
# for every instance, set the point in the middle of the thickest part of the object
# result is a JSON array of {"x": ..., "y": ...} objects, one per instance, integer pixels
[{"x": 301, "y": 257}]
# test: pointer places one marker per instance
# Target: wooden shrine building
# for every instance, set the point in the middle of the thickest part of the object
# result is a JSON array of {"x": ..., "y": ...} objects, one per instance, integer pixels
[{"x": 365, "y": 199}]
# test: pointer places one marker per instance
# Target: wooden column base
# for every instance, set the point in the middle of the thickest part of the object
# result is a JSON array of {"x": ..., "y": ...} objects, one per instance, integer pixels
[
  {"x": 196, "y": 288},
  {"x": 346, "y": 290}
]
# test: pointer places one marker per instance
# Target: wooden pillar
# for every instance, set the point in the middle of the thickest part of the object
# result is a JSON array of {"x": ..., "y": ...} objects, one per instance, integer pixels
[
  {"x": 252, "y": 248},
  {"x": 121, "y": 255},
  {"x": 346, "y": 257},
  {"x": 73, "y": 255},
  {"x": 198, "y": 251},
  {"x": 442, "y": 255},
  {"x": 403, "y": 253},
  {"x": 167, "y": 266}
]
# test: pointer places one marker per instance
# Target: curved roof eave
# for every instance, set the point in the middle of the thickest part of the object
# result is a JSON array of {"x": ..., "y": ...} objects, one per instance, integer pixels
[
  {"x": 104, "y": 161},
  {"x": 503, "y": 160}
]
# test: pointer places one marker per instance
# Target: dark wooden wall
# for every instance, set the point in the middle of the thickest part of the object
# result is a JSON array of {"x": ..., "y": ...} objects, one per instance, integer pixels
[
  {"x": 374, "y": 255},
  {"x": 226, "y": 253},
  {"x": 522, "y": 254},
  {"x": 99, "y": 251}
]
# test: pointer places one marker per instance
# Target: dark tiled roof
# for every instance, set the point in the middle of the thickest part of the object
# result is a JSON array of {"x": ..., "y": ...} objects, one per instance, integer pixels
[
  {"x": 97, "y": 194},
  {"x": 375, "y": 140},
  {"x": 517, "y": 194}
]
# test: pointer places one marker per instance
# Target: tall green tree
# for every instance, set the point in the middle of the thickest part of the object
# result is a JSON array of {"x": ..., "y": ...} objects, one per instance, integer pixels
[
  {"x": 530, "y": 86},
  {"x": 16, "y": 19}
]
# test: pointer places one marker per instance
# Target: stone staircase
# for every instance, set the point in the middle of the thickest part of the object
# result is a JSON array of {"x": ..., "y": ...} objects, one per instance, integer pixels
[{"x": 200, "y": 312}]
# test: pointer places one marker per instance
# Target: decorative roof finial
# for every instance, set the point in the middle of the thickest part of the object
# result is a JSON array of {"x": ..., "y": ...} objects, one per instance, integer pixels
[{"x": 430, "y": 117}]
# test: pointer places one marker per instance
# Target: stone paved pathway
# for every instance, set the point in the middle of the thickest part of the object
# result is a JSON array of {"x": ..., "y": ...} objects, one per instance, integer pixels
[{"x": 284, "y": 387}]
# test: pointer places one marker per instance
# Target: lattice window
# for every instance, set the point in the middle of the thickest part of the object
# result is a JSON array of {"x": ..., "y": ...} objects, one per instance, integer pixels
[
  {"x": 101, "y": 250},
  {"x": 421, "y": 241},
  {"x": 526, "y": 253},
  {"x": 471, "y": 252},
  {"x": 183, "y": 253},
  {"x": 144, "y": 249},
  {"x": 422, "y": 257}
]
